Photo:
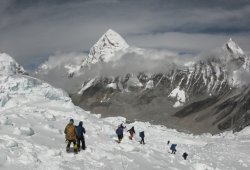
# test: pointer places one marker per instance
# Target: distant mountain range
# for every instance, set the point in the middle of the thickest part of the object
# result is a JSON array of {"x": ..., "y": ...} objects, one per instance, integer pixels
[{"x": 207, "y": 94}]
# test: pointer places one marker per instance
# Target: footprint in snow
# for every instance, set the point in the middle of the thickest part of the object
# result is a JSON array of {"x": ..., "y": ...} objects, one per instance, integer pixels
[
  {"x": 25, "y": 131},
  {"x": 6, "y": 121}
]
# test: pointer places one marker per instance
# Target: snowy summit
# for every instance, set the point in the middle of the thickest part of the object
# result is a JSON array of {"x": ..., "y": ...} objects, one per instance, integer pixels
[
  {"x": 233, "y": 47},
  {"x": 105, "y": 48}
]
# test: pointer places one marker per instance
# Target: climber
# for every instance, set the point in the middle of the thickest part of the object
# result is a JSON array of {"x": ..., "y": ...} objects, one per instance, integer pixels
[
  {"x": 119, "y": 132},
  {"x": 185, "y": 155},
  {"x": 173, "y": 148},
  {"x": 70, "y": 135},
  {"x": 142, "y": 135},
  {"x": 80, "y": 130},
  {"x": 168, "y": 142},
  {"x": 131, "y": 132}
]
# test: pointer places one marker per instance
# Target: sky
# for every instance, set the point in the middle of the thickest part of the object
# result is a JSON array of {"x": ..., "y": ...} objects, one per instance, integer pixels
[{"x": 33, "y": 30}]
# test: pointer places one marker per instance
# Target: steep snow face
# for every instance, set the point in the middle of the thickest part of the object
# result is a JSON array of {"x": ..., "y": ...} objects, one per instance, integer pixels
[
  {"x": 238, "y": 62},
  {"x": 112, "y": 85},
  {"x": 15, "y": 85},
  {"x": 9, "y": 66},
  {"x": 149, "y": 84},
  {"x": 133, "y": 81},
  {"x": 233, "y": 47},
  {"x": 179, "y": 96},
  {"x": 105, "y": 48},
  {"x": 87, "y": 85}
]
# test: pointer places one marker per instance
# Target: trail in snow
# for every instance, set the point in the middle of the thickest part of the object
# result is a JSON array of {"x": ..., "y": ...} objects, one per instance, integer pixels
[{"x": 34, "y": 115}]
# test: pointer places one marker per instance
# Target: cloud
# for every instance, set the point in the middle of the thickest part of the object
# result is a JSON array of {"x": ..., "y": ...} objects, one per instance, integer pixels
[
  {"x": 150, "y": 62},
  {"x": 189, "y": 43},
  {"x": 60, "y": 59},
  {"x": 31, "y": 31},
  {"x": 57, "y": 68}
]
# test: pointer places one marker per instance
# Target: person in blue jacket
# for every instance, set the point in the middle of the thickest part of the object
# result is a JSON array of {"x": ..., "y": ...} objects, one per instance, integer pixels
[
  {"x": 80, "y": 130},
  {"x": 119, "y": 132},
  {"x": 173, "y": 148}
]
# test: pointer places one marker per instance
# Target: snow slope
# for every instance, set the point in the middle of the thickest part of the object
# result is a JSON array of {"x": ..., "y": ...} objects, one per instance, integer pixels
[{"x": 33, "y": 115}]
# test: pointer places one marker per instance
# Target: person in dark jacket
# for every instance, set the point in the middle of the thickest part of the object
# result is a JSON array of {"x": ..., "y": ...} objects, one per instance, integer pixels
[
  {"x": 119, "y": 132},
  {"x": 142, "y": 135},
  {"x": 131, "y": 132},
  {"x": 185, "y": 155},
  {"x": 173, "y": 148},
  {"x": 80, "y": 130}
]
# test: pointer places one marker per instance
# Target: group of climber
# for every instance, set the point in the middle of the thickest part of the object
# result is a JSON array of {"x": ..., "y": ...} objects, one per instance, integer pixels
[
  {"x": 173, "y": 149},
  {"x": 75, "y": 134},
  {"x": 119, "y": 132}
]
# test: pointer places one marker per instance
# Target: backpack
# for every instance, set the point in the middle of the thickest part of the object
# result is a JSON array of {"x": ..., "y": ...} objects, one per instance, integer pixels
[
  {"x": 79, "y": 131},
  {"x": 173, "y": 146},
  {"x": 141, "y": 134},
  {"x": 70, "y": 132},
  {"x": 119, "y": 131}
]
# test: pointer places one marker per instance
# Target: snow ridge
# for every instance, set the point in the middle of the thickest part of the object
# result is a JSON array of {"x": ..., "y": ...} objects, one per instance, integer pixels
[{"x": 233, "y": 47}]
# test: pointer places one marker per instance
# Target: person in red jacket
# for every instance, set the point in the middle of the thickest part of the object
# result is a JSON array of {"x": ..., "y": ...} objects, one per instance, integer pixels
[{"x": 131, "y": 132}]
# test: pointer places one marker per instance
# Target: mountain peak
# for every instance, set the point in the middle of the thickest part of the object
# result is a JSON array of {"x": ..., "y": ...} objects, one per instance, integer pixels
[
  {"x": 110, "y": 31},
  {"x": 105, "y": 48},
  {"x": 233, "y": 47},
  {"x": 9, "y": 66}
]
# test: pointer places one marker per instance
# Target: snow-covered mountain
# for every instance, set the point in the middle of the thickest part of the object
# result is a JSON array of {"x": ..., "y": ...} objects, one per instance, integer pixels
[
  {"x": 104, "y": 50},
  {"x": 161, "y": 97},
  {"x": 168, "y": 93},
  {"x": 106, "y": 47},
  {"x": 33, "y": 115}
]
